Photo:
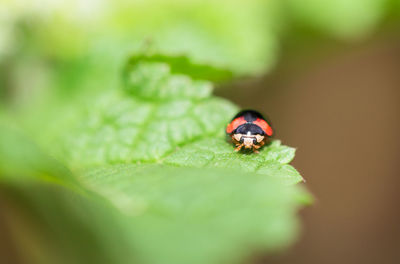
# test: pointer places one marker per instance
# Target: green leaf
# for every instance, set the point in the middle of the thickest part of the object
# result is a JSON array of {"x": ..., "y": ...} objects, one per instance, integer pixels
[
  {"x": 168, "y": 117},
  {"x": 214, "y": 152},
  {"x": 180, "y": 65},
  {"x": 165, "y": 214}
]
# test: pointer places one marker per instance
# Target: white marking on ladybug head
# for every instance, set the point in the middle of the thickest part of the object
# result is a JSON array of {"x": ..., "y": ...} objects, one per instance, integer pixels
[
  {"x": 237, "y": 136},
  {"x": 259, "y": 138},
  {"x": 248, "y": 142}
]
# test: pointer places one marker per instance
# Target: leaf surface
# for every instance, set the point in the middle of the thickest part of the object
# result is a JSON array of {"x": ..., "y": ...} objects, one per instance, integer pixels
[{"x": 166, "y": 116}]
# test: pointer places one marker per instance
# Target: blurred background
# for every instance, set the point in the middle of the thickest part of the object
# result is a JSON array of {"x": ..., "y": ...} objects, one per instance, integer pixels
[
  {"x": 327, "y": 73},
  {"x": 341, "y": 111}
]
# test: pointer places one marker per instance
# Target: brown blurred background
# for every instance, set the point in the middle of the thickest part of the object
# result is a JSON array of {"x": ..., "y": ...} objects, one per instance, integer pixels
[{"x": 339, "y": 105}]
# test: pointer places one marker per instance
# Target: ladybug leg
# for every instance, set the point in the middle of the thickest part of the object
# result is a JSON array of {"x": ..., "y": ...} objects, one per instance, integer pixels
[
  {"x": 234, "y": 140},
  {"x": 255, "y": 148},
  {"x": 237, "y": 143},
  {"x": 238, "y": 147},
  {"x": 259, "y": 145}
]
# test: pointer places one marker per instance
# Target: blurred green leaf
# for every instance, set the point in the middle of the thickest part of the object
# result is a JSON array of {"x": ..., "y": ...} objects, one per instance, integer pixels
[
  {"x": 67, "y": 48},
  {"x": 239, "y": 35},
  {"x": 184, "y": 215},
  {"x": 20, "y": 157},
  {"x": 51, "y": 216},
  {"x": 340, "y": 18}
]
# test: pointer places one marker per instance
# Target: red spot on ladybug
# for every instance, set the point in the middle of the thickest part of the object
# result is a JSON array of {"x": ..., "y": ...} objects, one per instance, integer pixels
[
  {"x": 264, "y": 126},
  {"x": 249, "y": 129},
  {"x": 234, "y": 124}
]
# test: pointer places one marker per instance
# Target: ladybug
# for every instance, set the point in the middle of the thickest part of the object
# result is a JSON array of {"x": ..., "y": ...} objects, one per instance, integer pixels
[{"x": 249, "y": 129}]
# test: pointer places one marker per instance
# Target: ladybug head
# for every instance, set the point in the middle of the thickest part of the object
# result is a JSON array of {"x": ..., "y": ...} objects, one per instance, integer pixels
[{"x": 248, "y": 140}]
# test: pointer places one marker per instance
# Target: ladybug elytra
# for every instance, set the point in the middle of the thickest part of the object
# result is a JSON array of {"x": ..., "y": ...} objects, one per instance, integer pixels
[{"x": 249, "y": 129}]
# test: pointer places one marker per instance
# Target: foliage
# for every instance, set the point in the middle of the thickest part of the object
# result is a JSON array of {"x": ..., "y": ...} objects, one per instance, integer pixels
[
  {"x": 149, "y": 178},
  {"x": 68, "y": 46},
  {"x": 91, "y": 173}
]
